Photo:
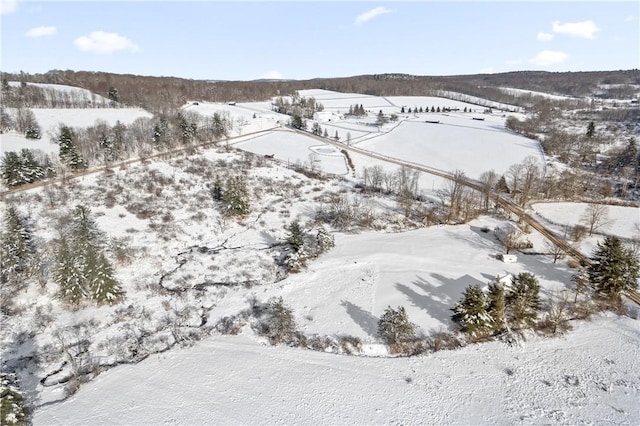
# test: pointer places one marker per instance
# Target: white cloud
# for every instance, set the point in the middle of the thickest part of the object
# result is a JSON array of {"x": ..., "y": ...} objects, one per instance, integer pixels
[
  {"x": 8, "y": 6},
  {"x": 630, "y": 18},
  {"x": 513, "y": 61},
  {"x": 488, "y": 70},
  {"x": 272, "y": 75},
  {"x": 41, "y": 32},
  {"x": 585, "y": 29},
  {"x": 103, "y": 42},
  {"x": 369, "y": 15},
  {"x": 545, "y": 36},
  {"x": 549, "y": 57}
]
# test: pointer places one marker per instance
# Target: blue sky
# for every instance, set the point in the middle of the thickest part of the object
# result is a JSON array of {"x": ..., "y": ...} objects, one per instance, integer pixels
[{"x": 299, "y": 40}]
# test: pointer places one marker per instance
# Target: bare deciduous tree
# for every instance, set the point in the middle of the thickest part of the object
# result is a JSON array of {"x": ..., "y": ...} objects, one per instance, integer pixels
[
  {"x": 595, "y": 217},
  {"x": 488, "y": 181}
]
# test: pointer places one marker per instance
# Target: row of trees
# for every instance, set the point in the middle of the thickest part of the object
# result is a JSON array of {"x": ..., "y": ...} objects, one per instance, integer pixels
[
  {"x": 24, "y": 95},
  {"x": 433, "y": 109},
  {"x": 103, "y": 144},
  {"x": 26, "y": 167},
  {"x": 515, "y": 306},
  {"x": 297, "y": 106},
  {"x": 614, "y": 269}
]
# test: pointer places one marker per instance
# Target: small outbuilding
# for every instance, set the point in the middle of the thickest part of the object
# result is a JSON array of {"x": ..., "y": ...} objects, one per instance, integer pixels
[{"x": 508, "y": 258}]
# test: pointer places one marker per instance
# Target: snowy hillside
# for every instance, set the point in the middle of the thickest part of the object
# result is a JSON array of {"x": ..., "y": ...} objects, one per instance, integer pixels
[{"x": 66, "y": 95}]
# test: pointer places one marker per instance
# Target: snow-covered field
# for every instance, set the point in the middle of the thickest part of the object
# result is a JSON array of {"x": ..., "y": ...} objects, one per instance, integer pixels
[
  {"x": 294, "y": 149},
  {"x": 50, "y": 120},
  {"x": 347, "y": 289},
  {"x": 457, "y": 142},
  {"x": 589, "y": 376},
  {"x": 14, "y": 142},
  {"x": 520, "y": 92},
  {"x": 186, "y": 266},
  {"x": 620, "y": 221}
]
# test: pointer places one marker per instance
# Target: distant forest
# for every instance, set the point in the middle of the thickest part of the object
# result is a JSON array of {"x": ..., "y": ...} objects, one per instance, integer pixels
[{"x": 158, "y": 94}]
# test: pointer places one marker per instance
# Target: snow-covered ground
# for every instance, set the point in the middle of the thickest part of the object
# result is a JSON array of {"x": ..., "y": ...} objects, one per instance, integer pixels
[
  {"x": 590, "y": 376},
  {"x": 14, "y": 142},
  {"x": 50, "y": 120},
  {"x": 620, "y": 221},
  {"x": 457, "y": 142},
  {"x": 520, "y": 92},
  {"x": 187, "y": 266},
  {"x": 294, "y": 148}
]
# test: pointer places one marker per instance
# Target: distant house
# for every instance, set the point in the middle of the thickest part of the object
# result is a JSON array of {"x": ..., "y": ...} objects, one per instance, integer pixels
[{"x": 504, "y": 280}]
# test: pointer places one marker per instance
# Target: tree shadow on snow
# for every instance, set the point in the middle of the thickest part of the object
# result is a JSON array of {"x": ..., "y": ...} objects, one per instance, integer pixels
[
  {"x": 367, "y": 321},
  {"x": 437, "y": 301}
]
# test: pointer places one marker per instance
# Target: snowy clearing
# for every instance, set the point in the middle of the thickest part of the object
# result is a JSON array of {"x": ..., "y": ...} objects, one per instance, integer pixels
[
  {"x": 293, "y": 148},
  {"x": 455, "y": 143},
  {"x": 15, "y": 142},
  {"x": 589, "y": 376},
  {"x": 50, "y": 119}
]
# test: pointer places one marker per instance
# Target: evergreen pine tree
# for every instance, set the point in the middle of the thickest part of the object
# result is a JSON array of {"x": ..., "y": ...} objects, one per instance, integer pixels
[
  {"x": 30, "y": 169},
  {"x": 236, "y": 196},
  {"x": 523, "y": 299},
  {"x": 69, "y": 154},
  {"x": 85, "y": 234},
  {"x": 324, "y": 240},
  {"x": 68, "y": 274},
  {"x": 497, "y": 305},
  {"x": 281, "y": 323},
  {"x": 102, "y": 285},
  {"x": 17, "y": 244},
  {"x": 614, "y": 268},
  {"x": 295, "y": 236},
  {"x": 113, "y": 95},
  {"x": 402, "y": 110},
  {"x": 394, "y": 326},
  {"x": 502, "y": 186},
  {"x": 325, "y": 133},
  {"x": 471, "y": 312},
  {"x": 10, "y": 169},
  {"x": 591, "y": 129},
  {"x": 33, "y": 131}
]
